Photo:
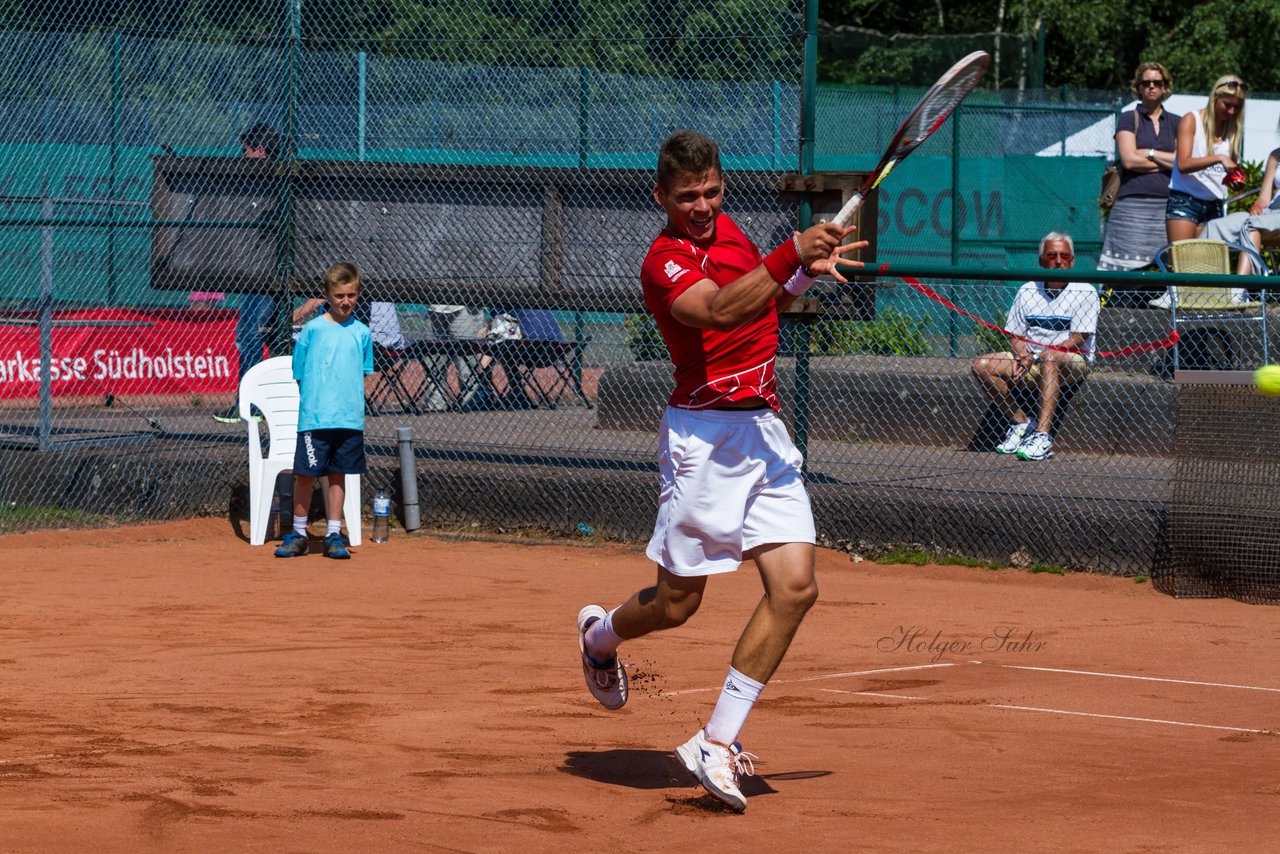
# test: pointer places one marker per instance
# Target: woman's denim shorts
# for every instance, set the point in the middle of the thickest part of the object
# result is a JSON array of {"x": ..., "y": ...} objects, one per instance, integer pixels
[{"x": 1185, "y": 206}]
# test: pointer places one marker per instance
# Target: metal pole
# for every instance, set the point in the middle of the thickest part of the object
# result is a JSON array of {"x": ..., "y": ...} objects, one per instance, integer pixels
[
  {"x": 46, "y": 327},
  {"x": 113, "y": 181},
  {"x": 1062, "y": 121},
  {"x": 363, "y": 64},
  {"x": 286, "y": 215},
  {"x": 808, "y": 132},
  {"x": 408, "y": 479},
  {"x": 777, "y": 124},
  {"x": 584, "y": 148},
  {"x": 579, "y": 329},
  {"x": 955, "y": 225},
  {"x": 584, "y": 107}
]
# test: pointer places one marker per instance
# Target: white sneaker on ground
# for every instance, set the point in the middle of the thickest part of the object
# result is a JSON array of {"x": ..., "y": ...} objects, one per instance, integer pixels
[
  {"x": 607, "y": 681},
  {"x": 1013, "y": 439},
  {"x": 1162, "y": 301},
  {"x": 1037, "y": 446},
  {"x": 718, "y": 768}
]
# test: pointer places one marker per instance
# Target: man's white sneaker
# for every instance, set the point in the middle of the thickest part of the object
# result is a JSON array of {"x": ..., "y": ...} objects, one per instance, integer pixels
[
  {"x": 607, "y": 681},
  {"x": 718, "y": 768},
  {"x": 1013, "y": 439},
  {"x": 1162, "y": 301},
  {"x": 1037, "y": 446}
]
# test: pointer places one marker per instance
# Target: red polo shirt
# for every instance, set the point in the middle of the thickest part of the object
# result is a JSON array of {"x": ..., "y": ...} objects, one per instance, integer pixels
[{"x": 711, "y": 367}]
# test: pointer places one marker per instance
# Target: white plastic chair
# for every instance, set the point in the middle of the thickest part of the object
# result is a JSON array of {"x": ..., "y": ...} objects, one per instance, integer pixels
[{"x": 269, "y": 386}]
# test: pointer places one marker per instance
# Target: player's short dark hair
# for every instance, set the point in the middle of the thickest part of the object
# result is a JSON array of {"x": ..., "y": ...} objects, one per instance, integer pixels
[
  {"x": 264, "y": 136},
  {"x": 341, "y": 273},
  {"x": 686, "y": 152}
]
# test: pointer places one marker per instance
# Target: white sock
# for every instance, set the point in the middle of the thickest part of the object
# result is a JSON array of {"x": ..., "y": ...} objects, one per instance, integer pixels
[
  {"x": 602, "y": 640},
  {"x": 300, "y": 525},
  {"x": 738, "y": 695},
  {"x": 334, "y": 527}
]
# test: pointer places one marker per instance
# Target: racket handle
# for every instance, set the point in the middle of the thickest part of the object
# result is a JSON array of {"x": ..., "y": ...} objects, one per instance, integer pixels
[{"x": 848, "y": 211}]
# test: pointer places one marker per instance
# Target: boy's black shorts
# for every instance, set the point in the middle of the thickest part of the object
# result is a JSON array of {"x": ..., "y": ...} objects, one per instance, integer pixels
[{"x": 322, "y": 452}]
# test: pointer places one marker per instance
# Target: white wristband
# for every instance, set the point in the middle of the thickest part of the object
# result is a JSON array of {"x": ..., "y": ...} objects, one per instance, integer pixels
[{"x": 799, "y": 282}]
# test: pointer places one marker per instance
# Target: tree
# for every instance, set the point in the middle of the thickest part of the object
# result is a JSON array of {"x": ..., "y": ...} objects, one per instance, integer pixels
[
  {"x": 1096, "y": 44},
  {"x": 1220, "y": 37}
]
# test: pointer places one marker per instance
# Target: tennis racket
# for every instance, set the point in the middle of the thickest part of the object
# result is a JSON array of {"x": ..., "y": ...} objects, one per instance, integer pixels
[{"x": 925, "y": 118}]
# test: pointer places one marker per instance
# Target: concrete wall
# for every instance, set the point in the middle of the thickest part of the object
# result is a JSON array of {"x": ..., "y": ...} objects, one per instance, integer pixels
[{"x": 923, "y": 402}]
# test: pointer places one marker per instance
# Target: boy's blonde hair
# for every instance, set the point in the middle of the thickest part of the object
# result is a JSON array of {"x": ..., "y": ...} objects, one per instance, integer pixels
[{"x": 341, "y": 273}]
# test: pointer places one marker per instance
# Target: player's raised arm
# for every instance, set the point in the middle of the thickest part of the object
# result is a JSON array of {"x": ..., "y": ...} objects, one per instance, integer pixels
[{"x": 793, "y": 266}]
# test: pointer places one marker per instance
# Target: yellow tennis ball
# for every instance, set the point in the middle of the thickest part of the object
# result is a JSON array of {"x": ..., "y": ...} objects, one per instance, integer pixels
[{"x": 1267, "y": 380}]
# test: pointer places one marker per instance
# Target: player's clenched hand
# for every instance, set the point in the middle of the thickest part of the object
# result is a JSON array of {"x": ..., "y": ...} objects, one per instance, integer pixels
[{"x": 819, "y": 241}]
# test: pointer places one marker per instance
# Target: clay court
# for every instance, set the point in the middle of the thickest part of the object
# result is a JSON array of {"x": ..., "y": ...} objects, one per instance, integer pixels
[{"x": 169, "y": 688}]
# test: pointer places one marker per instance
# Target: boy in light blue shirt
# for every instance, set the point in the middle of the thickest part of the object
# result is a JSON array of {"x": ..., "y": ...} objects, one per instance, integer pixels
[{"x": 333, "y": 354}]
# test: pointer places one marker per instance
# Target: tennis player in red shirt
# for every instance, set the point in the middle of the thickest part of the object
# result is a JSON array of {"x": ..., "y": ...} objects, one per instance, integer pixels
[{"x": 731, "y": 482}]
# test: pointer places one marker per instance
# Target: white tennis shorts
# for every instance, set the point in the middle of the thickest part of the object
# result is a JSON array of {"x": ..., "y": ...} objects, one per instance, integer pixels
[{"x": 731, "y": 481}]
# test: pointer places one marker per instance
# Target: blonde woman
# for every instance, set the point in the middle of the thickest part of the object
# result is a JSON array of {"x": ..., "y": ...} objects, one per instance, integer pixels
[
  {"x": 1209, "y": 142},
  {"x": 1146, "y": 138}
]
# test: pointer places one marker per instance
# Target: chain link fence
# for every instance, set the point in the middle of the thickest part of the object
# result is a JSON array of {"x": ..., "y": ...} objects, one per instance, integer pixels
[{"x": 174, "y": 181}]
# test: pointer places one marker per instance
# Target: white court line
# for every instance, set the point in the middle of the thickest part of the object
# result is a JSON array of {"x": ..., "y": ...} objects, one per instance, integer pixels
[
  {"x": 869, "y": 672},
  {"x": 1127, "y": 718},
  {"x": 1021, "y": 708},
  {"x": 819, "y": 677},
  {"x": 872, "y": 694},
  {"x": 1141, "y": 678}
]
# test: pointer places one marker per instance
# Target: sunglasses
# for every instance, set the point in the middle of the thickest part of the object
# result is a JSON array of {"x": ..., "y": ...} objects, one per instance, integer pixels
[
  {"x": 1233, "y": 86},
  {"x": 1159, "y": 84}
]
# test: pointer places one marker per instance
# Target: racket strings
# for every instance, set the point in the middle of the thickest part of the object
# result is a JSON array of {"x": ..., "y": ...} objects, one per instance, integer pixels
[{"x": 941, "y": 101}]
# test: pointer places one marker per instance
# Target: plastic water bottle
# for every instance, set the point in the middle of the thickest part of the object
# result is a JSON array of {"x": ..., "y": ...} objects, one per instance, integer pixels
[{"x": 381, "y": 516}]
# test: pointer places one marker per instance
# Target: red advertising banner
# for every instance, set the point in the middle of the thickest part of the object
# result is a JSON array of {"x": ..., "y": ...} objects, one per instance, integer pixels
[{"x": 121, "y": 351}]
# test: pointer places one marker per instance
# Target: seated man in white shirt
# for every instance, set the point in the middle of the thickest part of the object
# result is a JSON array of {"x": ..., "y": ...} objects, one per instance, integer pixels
[{"x": 1051, "y": 329}]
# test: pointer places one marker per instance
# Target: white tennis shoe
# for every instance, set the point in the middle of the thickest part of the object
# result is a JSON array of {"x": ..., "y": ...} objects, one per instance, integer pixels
[
  {"x": 1013, "y": 439},
  {"x": 718, "y": 768},
  {"x": 606, "y": 681},
  {"x": 1037, "y": 446}
]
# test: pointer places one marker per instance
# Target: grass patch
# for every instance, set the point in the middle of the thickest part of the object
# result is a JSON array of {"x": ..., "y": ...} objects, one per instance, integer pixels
[
  {"x": 1051, "y": 568},
  {"x": 17, "y": 517},
  {"x": 924, "y": 557},
  {"x": 912, "y": 557},
  {"x": 1140, "y": 579},
  {"x": 976, "y": 563}
]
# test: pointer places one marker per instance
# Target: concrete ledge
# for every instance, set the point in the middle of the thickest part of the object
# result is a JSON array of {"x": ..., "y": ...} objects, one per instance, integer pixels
[
  {"x": 923, "y": 402},
  {"x": 1085, "y": 511}
]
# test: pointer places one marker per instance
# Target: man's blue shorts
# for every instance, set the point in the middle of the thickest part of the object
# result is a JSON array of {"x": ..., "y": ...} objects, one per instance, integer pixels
[
  {"x": 1186, "y": 206},
  {"x": 323, "y": 452}
]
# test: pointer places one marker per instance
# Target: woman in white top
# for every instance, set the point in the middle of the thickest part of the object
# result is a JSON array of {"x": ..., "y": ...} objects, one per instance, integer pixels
[{"x": 1209, "y": 142}]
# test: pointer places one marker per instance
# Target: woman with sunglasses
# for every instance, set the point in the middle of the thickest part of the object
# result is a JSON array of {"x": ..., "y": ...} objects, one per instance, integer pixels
[
  {"x": 1145, "y": 139},
  {"x": 1209, "y": 142}
]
